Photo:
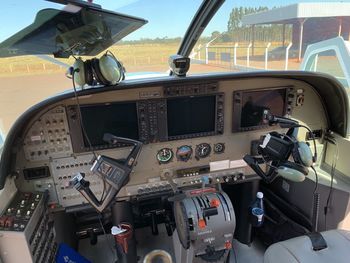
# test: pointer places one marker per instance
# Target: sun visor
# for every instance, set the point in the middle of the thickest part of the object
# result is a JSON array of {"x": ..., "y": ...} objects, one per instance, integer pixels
[{"x": 62, "y": 33}]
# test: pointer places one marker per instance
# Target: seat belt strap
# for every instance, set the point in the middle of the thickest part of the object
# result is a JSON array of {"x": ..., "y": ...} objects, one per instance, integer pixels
[{"x": 317, "y": 240}]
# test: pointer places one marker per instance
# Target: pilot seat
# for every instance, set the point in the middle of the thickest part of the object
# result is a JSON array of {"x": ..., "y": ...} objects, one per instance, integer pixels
[{"x": 324, "y": 247}]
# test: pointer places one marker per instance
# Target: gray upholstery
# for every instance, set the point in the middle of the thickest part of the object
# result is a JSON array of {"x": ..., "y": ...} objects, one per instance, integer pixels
[{"x": 299, "y": 249}]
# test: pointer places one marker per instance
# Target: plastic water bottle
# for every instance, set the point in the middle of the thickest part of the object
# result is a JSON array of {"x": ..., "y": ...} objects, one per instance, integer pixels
[{"x": 257, "y": 210}]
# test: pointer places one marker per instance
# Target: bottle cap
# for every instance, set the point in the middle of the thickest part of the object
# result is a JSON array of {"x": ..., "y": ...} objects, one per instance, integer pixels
[
  {"x": 260, "y": 195},
  {"x": 115, "y": 230}
]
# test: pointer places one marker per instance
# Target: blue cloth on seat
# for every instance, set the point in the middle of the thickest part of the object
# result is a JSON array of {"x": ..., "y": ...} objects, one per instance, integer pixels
[{"x": 66, "y": 254}]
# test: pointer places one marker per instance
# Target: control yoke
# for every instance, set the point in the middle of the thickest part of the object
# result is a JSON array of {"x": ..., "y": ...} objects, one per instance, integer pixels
[{"x": 115, "y": 173}]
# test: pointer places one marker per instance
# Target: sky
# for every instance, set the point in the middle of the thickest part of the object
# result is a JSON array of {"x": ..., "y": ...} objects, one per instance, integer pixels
[{"x": 167, "y": 18}]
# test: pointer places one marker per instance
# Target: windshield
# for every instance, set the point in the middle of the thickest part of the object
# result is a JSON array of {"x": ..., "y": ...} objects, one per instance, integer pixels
[
  {"x": 26, "y": 80},
  {"x": 276, "y": 35},
  {"x": 307, "y": 35},
  {"x": 242, "y": 36}
]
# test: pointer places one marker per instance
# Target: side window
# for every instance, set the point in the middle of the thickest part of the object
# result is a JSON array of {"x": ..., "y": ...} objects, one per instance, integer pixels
[
  {"x": 331, "y": 56},
  {"x": 328, "y": 62}
]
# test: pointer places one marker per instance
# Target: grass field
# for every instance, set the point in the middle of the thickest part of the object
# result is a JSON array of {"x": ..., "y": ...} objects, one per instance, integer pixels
[
  {"x": 146, "y": 57},
  {"x": 135, "y": 57}
]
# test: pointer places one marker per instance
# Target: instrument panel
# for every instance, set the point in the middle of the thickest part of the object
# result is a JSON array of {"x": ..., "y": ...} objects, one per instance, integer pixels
[
  {"x": 149, "y": 121},
  {"x": 188, "y": 131}
]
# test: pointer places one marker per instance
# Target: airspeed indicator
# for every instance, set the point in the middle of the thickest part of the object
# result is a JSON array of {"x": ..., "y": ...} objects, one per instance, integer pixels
[{"x": 165, "y": 155}]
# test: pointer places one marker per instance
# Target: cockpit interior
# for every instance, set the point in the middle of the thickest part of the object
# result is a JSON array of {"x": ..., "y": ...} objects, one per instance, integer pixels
[{"x": 231, "y": 167}]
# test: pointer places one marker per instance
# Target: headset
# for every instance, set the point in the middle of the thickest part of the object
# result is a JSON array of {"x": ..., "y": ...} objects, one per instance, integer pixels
[
  {"x": 82, "y": 72},
  {"x": 276, "y": 150},
  {"x": 292, "y": 171},
  {"x": 106, "y": 70},
  {"x": 303, "y": 159},
  {"x": 302, "y": 154}
]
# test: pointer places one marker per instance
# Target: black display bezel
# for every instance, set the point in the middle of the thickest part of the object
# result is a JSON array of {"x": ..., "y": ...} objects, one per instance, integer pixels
[
  {"x": 157, "y": 132},
  {"x": 219, "y": 118},
  {"x": 77, "y": 136},
  {"x": 237, "y": 107}
]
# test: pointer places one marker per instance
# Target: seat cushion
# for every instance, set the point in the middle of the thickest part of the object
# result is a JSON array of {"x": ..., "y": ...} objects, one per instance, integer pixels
[{"x": 300, "y": 250}]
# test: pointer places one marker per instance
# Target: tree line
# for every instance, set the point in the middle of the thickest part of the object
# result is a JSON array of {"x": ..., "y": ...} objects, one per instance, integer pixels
[{"x": 235, "y": 31}]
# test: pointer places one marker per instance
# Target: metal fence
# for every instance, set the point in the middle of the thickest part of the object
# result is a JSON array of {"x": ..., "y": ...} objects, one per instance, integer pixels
[
  {"x": 13, "y": 68},
  {"x": 246, "y": 56},
  {"x": 37, "y": 65}
]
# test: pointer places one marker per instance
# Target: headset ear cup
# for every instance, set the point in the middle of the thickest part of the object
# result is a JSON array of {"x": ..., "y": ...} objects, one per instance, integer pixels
[
  {"x": 79, "y": 72},
  {"x": 302, "y": 154},
  {"x": 89, "y": 77},
  {"x": 305, "y": 154},
  {"x": 97, "y": 72},
  {"x": 122, "y": 70},
  {"x": 290, "y": 174},
  {"x": 295, "y": 166},
  {"x": 111, "y": 69}
]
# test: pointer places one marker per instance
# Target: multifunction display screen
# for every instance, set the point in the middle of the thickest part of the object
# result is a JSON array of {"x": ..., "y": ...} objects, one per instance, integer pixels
[
  {"x": 254, "y": 103},
  {"x": 119, "y": 119},
  {"x": 191, "y": 115}
]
